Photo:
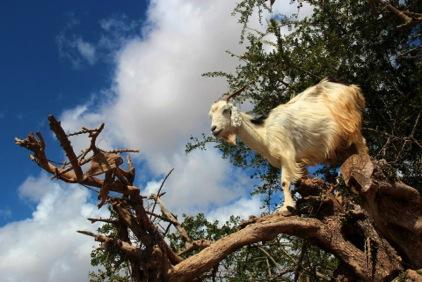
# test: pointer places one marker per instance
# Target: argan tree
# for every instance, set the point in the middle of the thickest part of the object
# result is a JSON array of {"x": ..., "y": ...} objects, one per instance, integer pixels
[{"x": 363, "y": 225}]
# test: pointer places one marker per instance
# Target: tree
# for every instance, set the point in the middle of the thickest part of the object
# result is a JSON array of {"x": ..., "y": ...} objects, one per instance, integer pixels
[{"x": 372, "y": 235}]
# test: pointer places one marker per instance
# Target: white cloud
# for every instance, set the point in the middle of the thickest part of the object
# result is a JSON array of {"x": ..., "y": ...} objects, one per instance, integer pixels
[
  {"x": 160, "y": 98},
  {"x": 280, "y": 8},
  {"x": 87, "y": 50},
  {"x": 76, "y": 50},
  {"x": 112, "y": 34},
  {"x": 243, "y": 207},
  {"x": 35, "y": 188},
  {"x": 201, "y": 182},
  {"x": 116, "y": 31},
  {"x": 46, "y": 246}
]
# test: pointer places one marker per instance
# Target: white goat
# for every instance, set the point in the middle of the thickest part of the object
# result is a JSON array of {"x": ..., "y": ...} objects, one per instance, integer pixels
[{"x": 313, "y": 127}]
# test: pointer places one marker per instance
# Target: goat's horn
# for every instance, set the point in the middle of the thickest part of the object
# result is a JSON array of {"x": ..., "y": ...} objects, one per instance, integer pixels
[{"x": 229, "y": 96}]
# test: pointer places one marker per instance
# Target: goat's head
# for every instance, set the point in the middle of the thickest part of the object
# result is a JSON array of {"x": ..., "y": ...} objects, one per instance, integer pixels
[{"x": 225, "y": 118}]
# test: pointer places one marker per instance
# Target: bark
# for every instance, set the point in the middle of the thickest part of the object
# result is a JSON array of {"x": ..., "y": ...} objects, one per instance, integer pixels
[
  {"x": 394, "y": 207},
  {"x": 412, "y": 276}
]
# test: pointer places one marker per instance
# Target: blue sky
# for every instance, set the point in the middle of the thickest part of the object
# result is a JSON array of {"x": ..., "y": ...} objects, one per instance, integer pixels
[{"x": 37, "y": 80}]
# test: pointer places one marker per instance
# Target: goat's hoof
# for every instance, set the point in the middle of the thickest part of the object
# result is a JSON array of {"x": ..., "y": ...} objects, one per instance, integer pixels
[{"x": 287, "y": 211}]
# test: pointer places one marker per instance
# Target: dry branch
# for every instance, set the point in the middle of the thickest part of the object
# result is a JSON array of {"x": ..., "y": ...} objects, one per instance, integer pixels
[
  {"x": 56, "y": 127},
  {"x": 171, "y": 218},
  {"x": 161, "y": 187},
  {"x": 113, "y": 243},
  {"x": 106, "y": 220}
]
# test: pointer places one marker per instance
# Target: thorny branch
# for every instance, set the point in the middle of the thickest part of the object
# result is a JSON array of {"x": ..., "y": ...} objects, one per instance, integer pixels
[
  {"x": 159, "y": 189},
  {"x": 398, "y": 141},
  {"x": 67, "y": 147}
]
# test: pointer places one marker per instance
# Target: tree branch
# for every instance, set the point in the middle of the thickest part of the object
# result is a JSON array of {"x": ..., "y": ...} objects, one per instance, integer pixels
[
  {"x": 264, "y": 230},
  {"x": 109, "y": 243},
  {"x": 67, "y": 147},
  {"x": 161, "y": 187},
  {"x": 407, "y": 17}
]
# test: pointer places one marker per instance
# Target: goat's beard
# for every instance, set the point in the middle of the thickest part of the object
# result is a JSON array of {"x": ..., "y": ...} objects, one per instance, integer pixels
[{"x": 229, "y": 137}]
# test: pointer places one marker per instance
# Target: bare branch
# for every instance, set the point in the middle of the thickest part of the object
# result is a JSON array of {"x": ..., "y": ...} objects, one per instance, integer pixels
[
  {"x": 167, "y": 214},
  {"x": 108, "y": 243},
  {"x": 161, "y": 187},
  {"x": 83, "y": 131},
  {"x": 126, "y": 150},
  {"x": 162, "y": 217},
  {"x": 67, "y": 147},
  {"x": 270, "y": 257},
  {"x": 106, "y": 220}
]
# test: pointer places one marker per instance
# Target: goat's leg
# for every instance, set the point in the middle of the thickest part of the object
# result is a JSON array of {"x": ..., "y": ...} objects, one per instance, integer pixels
[{"x": 288, "y": 199}]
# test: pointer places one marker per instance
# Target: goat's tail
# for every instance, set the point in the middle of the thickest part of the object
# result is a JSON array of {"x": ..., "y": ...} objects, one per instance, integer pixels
[
  {"x": 357, "y": 97},
  {"x": 359, "y": 141},
  {"x": 347, "y": 109}
]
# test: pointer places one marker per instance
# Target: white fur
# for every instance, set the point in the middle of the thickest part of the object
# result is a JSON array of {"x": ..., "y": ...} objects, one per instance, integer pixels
[
  {"x": 236, "y": 118},
  {"x": 313, "y": 127}
]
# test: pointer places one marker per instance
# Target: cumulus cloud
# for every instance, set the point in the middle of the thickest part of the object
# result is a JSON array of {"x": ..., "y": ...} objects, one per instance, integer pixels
[
  {"x": 160, "y": 98},
  {"x": 201, "y": 182},
  {"x": 243, "y": 207},
  {"x": 87, "y": 50},
  {"x": 76, "y": 50},
  {"x": 35, "y": 188},
  {"x": 46, "y": 246},
  {"x": 113, "y": 33}
]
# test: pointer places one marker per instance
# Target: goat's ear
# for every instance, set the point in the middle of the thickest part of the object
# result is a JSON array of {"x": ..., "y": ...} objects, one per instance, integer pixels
[{"x": 230, "y": 138}]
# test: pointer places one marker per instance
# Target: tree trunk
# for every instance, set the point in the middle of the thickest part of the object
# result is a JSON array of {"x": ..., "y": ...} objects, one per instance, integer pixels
[{"x": 393, "y": 207}]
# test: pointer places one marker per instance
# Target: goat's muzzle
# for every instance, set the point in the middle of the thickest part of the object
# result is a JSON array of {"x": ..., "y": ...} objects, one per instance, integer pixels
[{"x": 214, "y": 131}]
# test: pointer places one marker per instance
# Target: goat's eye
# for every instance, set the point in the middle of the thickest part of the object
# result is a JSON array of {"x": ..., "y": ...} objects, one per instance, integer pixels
[{"x": 227, "y": 111}]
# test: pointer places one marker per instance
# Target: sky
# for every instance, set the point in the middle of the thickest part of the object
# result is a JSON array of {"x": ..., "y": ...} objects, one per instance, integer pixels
[{"x": 135, "y": 65}]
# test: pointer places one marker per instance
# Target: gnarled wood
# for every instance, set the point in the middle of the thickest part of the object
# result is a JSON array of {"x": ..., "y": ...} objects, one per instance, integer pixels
[{"x": 394, "y": 207}]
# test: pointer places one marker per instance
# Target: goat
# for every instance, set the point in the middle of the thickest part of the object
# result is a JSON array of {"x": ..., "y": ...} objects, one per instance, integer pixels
[{"x": 314, "y": 127}]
